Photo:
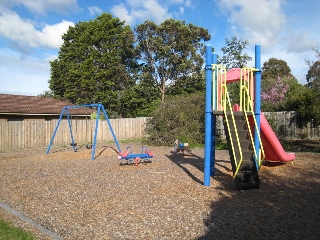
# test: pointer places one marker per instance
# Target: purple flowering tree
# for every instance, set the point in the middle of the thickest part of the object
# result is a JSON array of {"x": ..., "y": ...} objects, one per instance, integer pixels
[{"x": 274, "y": 92}]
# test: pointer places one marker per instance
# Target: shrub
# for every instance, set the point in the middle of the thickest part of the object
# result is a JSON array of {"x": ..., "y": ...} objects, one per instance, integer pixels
[{"x": 180, "y": 117}]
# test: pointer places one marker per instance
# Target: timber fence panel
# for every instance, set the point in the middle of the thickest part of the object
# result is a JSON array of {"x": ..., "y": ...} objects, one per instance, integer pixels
[
  {"x": 38, "y": 133},
  {"x": 284, "y": 125}
]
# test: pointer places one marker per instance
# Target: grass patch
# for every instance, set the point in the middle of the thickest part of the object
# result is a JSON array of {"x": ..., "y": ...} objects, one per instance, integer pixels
[
  {"x": 131, "y": 141},
  {"x": 124, "y": 141},
  {"x": 222, "y": 146},
  {"x": 8, "y": 232}
]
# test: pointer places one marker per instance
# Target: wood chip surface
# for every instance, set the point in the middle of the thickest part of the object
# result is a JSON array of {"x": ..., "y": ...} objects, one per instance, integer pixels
[{"x": 78, "y": 198}]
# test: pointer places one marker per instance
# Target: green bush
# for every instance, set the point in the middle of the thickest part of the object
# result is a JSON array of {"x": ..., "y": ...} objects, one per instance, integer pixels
[{"x": 180, "y": 117}]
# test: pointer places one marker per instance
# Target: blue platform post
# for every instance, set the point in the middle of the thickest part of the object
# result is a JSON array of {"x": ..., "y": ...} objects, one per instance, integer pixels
[
  {"x": 208, "y": 118},
  {"x": 257, "y": 98},
  {"x": 111, "y": 129},
  {"x": 55, "y": 130},
  {"x": 95, "y": 132}
]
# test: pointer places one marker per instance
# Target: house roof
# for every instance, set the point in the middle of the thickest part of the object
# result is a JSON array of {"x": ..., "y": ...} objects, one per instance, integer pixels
[{"x": 34, "y": 105}]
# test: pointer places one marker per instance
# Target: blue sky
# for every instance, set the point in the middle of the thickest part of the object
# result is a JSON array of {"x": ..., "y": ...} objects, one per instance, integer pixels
[{"x": 30, "y": 30}]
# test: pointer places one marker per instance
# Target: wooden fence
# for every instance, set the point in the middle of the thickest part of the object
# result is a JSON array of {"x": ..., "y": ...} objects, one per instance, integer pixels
[
  {"x": 284, "y": 125},
  {"x": 38, "y": 133}
]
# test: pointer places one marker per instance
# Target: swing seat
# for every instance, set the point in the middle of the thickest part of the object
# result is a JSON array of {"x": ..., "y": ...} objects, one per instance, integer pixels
[{"x": 89, "y": 146}]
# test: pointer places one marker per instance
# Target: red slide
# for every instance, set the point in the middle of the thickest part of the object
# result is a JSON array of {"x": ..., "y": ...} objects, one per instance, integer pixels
[{"x": 272, "y": 147}]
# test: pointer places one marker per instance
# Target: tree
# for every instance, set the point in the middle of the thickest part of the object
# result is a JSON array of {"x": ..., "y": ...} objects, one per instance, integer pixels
[
  {"x": 275, "y": 68},
  {"x": 140, "y": 100},
  {"x": 172, "y": 54},
  {"x": 305, "y": 102},
  {"x": 46, "y": 94},
  {"x": 274, "y": 92},
  {"x": 313, "y": 76},
  {"x": 310, "y": 62},
  {"x": 94, "y": 63},
  {"x": 233, "y": 55}
]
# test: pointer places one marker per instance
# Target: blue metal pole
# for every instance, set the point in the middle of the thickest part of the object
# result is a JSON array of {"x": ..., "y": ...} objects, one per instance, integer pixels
[
  {"x": 257, "y": 98},
  {"x": 111, "y": 129},
  {"x": 95, "y": 133},
  {"x": 55, "y": 131},
  {"x": 208, "y": 117}
]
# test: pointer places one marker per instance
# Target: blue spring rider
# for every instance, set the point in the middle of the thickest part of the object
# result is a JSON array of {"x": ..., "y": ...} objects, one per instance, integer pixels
[
  {"x": 180, "y": 147},
  {"x": 137, "y": 158}
]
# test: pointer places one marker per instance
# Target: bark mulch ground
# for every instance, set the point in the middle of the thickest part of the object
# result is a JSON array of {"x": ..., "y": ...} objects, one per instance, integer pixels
[{"x": 78, "y": 198}]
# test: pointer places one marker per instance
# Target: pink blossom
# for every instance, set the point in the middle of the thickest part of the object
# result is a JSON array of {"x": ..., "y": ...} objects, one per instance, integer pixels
[{"x": 274, "y": 91}]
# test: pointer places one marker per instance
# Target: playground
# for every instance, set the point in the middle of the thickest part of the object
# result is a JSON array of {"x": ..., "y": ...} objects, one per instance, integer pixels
[
  {"x": 77, "y": 198},
  {"x": 146, "y": 192}
]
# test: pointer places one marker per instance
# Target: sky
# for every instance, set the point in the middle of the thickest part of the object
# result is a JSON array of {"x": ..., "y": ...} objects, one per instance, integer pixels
[{"x": 31, "y": 30}]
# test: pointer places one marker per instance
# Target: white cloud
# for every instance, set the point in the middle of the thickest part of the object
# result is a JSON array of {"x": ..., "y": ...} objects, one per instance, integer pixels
[
  {"x": 51, "y": 34},
  {"x": 136, "y": 11},
  {"x": 267, "y": 23},
  {"x": 141, "y": 10},
  {"x": 25, "y": 34},
  {"x": 121, "y": 12},
  {"x": 188, "y": 3},
  {"x": 296, "y": 61},
  {"x": 177, "y": 1},
  {"x": 95, "y": 10},
  {"x": 43, "y": 6},
  {"x": 259, "y": 21},
  {"x": 300, "y": 40},
  {"x": 23, "y": 75}
]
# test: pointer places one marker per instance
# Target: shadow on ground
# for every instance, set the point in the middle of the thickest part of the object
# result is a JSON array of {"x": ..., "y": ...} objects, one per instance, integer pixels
[{"x": 285, "y": 207}]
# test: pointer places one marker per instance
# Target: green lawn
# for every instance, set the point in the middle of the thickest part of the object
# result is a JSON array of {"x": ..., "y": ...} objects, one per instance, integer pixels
[{"x": 8, "y": 232}]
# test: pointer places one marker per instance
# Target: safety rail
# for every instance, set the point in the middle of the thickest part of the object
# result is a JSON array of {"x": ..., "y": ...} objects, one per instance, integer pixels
[
  {"x": 221, "y": 101},
  {"x": 247, "y": 105}
]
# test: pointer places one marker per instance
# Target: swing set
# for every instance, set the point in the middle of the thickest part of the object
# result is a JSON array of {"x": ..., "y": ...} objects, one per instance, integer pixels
[{"x": 126, "y": 155}]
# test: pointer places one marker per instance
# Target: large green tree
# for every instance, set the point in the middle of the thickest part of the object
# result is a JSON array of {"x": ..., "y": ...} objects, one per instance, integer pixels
[
  {"x": 94, "y": 62},
  {"x": 307, "y": 102},
  {"x": 277, "y": 82},
  {"x": 233, "y": 56},
  {"x": 275, "y": 68},
  {"x": 313, "y": 75},
  {"x": 140, "y": 100},
  {"x": 172, "y": 55}
]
